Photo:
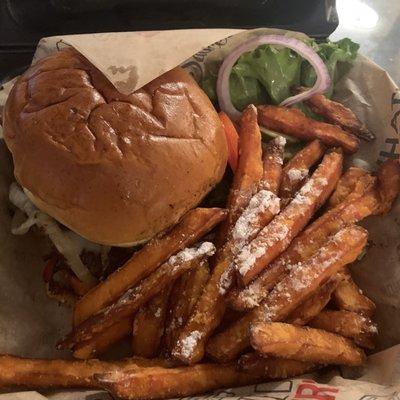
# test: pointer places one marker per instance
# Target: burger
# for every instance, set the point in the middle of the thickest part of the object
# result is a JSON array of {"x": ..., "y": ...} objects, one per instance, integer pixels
[
  {"x": 101, "y": 172},
  {"x": 97, "y": 170}
]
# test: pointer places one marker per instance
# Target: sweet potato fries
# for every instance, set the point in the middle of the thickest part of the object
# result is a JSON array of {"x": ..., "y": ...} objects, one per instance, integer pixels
[{"x": 279, "y": 281}]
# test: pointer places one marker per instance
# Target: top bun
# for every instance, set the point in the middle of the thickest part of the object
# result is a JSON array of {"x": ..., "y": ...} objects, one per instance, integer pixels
[{"x": 117, "y": 169}]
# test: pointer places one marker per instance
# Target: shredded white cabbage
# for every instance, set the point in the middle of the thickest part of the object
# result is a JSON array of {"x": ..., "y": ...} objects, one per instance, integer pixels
[
  {"x": 68, "y": 243},
  {"x": 20, "y": 224}
]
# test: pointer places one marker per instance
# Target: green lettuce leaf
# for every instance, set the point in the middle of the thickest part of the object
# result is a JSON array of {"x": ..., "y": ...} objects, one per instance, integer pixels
[
  {"x": 267, "y": 74},
  {"x": 209, "y": 84},
  {"x": 332, "y": 53}
]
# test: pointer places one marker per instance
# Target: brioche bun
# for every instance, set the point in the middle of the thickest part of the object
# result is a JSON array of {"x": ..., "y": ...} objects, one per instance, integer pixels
[{"x": 117, "y": 169}]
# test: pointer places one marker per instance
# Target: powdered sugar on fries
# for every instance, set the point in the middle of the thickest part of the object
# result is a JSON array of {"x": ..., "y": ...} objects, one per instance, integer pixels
[
  {"x": 270, "y": 313},
  {"x": 245, "y": 226},
  {"x": 280, "y": 141},
  {"x": 369, "y": 326},
  {"x": 251, "y": 296},
  {"x": 297, "y": 175},
  {"x": 247, "y": 258},
  {"x": 299, "y": 279},
  {"x": 278, "y": 230},
  {"x": 205, "y": 249},
  {"x": 313, "y": 186},
  {"x": 157, "y": 314},
  {"x": 226, "y": 281},
  {"x": 188, "y": 343}
]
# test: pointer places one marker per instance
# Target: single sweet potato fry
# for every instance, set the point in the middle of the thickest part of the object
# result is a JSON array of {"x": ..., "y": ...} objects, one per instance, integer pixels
[
  {"x": 348, "y": 212},
  {"x": 336, "y": 113},
  {"x": 102, "y": 342},
  {"x": 306, "y": 344},
  {"x": 302, "y": 282},
  {"x": 46, "y": 374},
  {"x": 207, "y": 313},
  {"x": 185, "y": 293},
  {"x": 348, "y": 296},
  {"x": 248, "y": 173},
  {"x": 293, "y": 122},
  {"x": 148, "y": 326},
  {"x": 35, "y": 373},
  {"x": 278, "y": 368},
  {"x": 194, "y": 225},
  {"x": 272, "y": 165},
  {"x": 297, "y": 169},
  {"x": 362, "y": 330},
  {"x": 161, "y": 383},
  {"x": 388, "y": 184},
  {"x": 353, "y": 182},
  {"x": 315, "y": 304},
  {"x": 136, "y": 297},
  {"x": 278, "y": 234}
]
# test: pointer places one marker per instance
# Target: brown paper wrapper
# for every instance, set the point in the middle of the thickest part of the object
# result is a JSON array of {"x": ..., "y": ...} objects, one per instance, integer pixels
[{"x": 30, "y": 323}]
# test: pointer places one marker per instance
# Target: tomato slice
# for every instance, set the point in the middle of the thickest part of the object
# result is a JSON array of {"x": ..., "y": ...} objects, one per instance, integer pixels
[
  {"x": 48, "y": 269},
  {"x": 232, "y": 139}
]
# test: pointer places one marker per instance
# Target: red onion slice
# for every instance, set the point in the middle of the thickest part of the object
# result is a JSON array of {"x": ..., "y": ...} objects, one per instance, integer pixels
[{"x": 321, "y": 85}]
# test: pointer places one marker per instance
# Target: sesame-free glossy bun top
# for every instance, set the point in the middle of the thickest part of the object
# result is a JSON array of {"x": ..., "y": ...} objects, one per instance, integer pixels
[{"x": 117, "y": 169}]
